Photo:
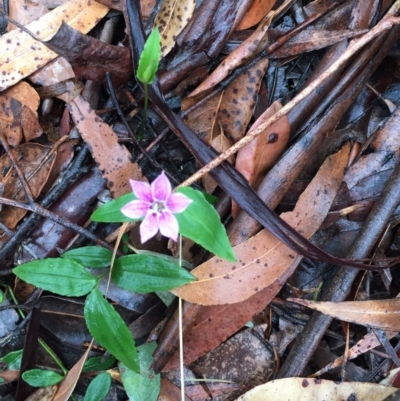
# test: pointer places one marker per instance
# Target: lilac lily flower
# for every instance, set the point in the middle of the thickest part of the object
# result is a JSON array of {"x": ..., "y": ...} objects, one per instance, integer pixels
[{"x": 157, "y": 204}]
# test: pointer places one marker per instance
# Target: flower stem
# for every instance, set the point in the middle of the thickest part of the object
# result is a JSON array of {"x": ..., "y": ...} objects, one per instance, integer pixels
[
  {"x": 181, "y": 330},
  {"x": 146, "y": 102}
]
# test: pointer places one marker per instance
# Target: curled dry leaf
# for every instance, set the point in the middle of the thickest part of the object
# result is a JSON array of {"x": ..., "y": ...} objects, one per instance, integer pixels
[
  {"x": 263, "y": 258},
  {"x": 91, "y": 58},
  {"x": 23, "y": 55},
  {"x": 172, "y": 18},
  {"x": 256, "y": 13},
  {"x": 299, "y": 389},
  {"x": 113, "y": 159},
  {"x": 36, "y": 162},
  {"x": 258, "y": 156},
  {"x": 381, "y": 314},
  {"x": 15, "y": 119}
]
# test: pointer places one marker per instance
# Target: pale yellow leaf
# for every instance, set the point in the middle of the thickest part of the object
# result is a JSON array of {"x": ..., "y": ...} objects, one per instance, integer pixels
[
  {"x": 172, "y": 18},
  {"x": 382, "y": 314},
  {"x": 22, "y": 55},
  {"x": 299, "y": 389}
]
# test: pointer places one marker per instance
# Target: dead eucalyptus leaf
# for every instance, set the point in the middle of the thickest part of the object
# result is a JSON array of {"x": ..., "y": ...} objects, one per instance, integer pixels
[
  {"x": 36, "y": 162},
  {"x": 382, "y": 314},
  {"x": 299, "y": 389},
  {"x": 23, "y": 55},
  {"x": 256, "y": 13},
  {"x": 24, "y": 11},
  {"x": 263, "y": 258},
  {"x": 15, "y": 118},
  {"x": 172, "y": 18},
  {"x": 258, "y": 156},
  {"x": 113, "y": 159}
]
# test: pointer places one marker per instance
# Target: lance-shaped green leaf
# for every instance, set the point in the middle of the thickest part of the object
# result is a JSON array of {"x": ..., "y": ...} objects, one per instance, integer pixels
[
  {"x": 111, "y": 211},
  {"x": 147, "y": 273},
  {"x": 201, "y": 223},
  {"x": 150, "y": 57},
  {"x": 61, "y": 276},
  {"x": 109, "y": 330},
  {"x": 98, "y": 387},
  {"x": 41, "y": 377},
  {"x": 90, "y": 256},
  {"x": 146, "y": 384}
]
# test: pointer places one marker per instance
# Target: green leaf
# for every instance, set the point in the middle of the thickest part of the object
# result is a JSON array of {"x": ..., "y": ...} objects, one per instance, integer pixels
[
  {"x": 146, "y": 384},
  {"x": 90, "y": 256},
  {"x": 145, "y": 273},
  {"x": 41, "y": 377},
  {"x": 13, "y": 360},
  {"x": 98, "y": 387},
  {"x": 111, "y": 211},
  {"x": 201, "y": 223},
  {"x": 150, "y": 57},
  {"x": 61, "y": 276},
  {"x": 109, "y": 330},
  {"x": 99, "y": 363}
]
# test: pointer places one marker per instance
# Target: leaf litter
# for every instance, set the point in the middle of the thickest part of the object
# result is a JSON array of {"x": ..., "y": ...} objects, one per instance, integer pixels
[{"x": 234, "y": 293}]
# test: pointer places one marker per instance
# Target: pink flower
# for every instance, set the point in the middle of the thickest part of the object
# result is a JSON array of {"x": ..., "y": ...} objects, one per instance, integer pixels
[{"x": 156, "y": 203}]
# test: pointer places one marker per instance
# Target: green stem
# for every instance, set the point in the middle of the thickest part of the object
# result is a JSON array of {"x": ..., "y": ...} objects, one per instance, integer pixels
[{"x": 146, "y": 102}]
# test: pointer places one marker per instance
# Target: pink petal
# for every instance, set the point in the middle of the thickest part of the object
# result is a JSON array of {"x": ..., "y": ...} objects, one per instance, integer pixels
[
  {"x": 161, "y": 188},
  {"x": 149, "y": 227},
  {"x": 177, "y": 202},
  {"x": 135, "y": 209},
  {"x": 168, "y": 225},
  {"x": 142, "y": 190}
]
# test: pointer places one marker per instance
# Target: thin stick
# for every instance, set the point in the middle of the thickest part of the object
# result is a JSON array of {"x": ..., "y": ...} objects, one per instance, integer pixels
[
  {"x": 384, "y": 25},
  {"x": 181, "y": 330}
]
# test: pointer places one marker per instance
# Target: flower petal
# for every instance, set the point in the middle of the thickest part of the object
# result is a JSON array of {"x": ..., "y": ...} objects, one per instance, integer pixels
[
  {"x": 177, "y": 202},
  {"x": 136, "y": 209},
  {"x": 149, "y": 227},
  {"x": 168, "y": 225},
  {"x": 161, "y": 188},
  {"x": 142, "y": 190}
]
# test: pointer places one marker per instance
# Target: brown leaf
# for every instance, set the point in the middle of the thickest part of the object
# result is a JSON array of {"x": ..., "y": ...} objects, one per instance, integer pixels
[
  {"x": 256, "y": 13},
  {"x": 90, "y": 57},
  {"x": 23, "y": 55},
  {"x": 263, "y": 258},
  {"x": 214, "y": 324},
  {"x": 258, "y": 156},
  {"x": 311, "y": 39},
  {"x": 24, "y": 11},
  {"x": 113, "y": 159},
  {"x": 171, "y": 19},
  {"x": 382, "y": 314},
  {"x": 66, "y": 387},
  {"x": 16, "y": 118},
  {"x": 247, "y": 50},
  {"x": 36, "y": 162},
  {"x": 317, "y": 390}
]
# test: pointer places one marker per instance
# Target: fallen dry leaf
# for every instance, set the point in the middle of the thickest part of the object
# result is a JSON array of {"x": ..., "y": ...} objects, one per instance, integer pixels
[
  {"x": 24, "y": 11},
  {"x": 66, "y": 387},
  {"x": 258, "y": 156},
  {"x": 171, "y": 19},
  {"x": 113, "y": 159},
  {"x": 23, "y": 55},
  {"x": 256, "y": 13},
  {"x": 381, "y": 314},
  {"x": 36, "y": 162},
  {"x": 91, "y": 58},
  {"x": 263, "y": 258},
  {"x": 299, "y": 389},
  {"x": 15, "y": 119}
]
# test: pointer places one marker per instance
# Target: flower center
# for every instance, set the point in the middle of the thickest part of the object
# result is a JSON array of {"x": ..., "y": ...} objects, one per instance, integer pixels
[{"x": 158, "y": 206}]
